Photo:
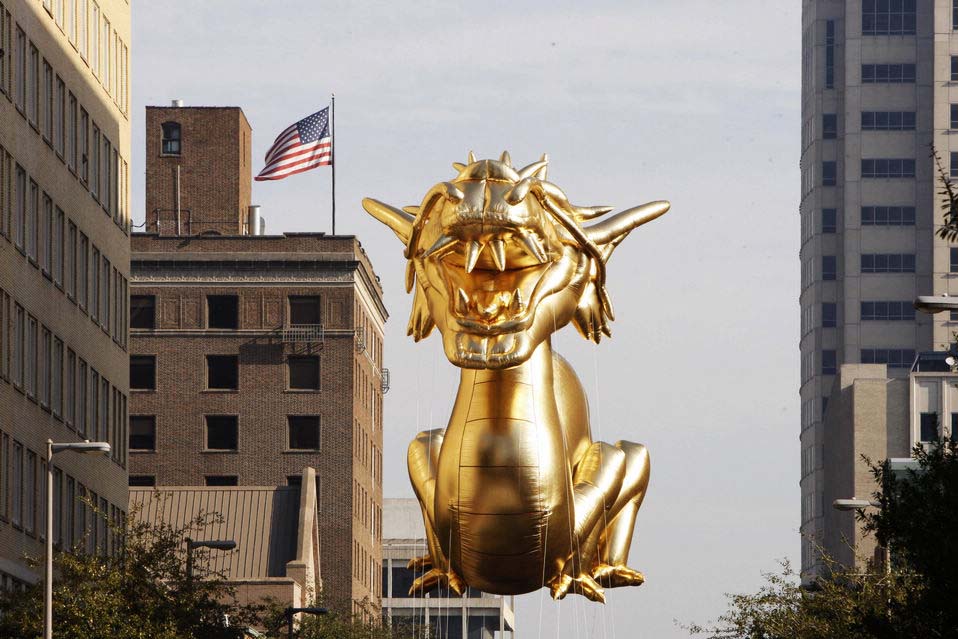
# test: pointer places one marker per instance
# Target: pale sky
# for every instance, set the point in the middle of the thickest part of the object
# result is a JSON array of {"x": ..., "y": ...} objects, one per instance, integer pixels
[{"x": 692, "y": 101}]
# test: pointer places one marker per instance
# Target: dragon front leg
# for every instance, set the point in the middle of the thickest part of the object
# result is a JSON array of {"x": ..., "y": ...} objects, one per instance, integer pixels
[
  {"x": 423, "y": 460},
  {"x": 608, "y": 487}
]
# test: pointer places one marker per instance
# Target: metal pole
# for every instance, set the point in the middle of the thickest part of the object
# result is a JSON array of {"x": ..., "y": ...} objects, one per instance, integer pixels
[
  {"x": 178, "y": 222},
  {"x": 48, "y": 570},
  {"x": 332, "y": 156},
  {"x": 189, "y": 560},
  {"x": 289, "y": 622}
]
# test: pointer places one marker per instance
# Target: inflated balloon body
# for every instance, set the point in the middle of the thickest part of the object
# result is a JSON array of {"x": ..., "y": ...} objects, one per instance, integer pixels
[{"x": 515, "y": 494}]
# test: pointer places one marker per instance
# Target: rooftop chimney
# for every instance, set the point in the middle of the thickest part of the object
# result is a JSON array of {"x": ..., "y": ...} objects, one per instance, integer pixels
[{"x": 177, "y": 103}]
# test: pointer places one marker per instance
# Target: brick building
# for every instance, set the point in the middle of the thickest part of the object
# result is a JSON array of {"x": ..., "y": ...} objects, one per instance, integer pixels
[
  {"x": 254, "y": 356},
  {"x": 64, "y": 250}
]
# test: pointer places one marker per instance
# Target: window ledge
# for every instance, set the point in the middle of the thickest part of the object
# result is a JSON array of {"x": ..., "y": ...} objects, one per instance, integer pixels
[
  {"x": 220, "y": 451},
  {"x": 301, "y": 451},
  {"x": 302, "y": 391},
  {"x": 220, "y": 391},
  {"x": 142, "y": 451},
  {"x": 142, "y": 390}
]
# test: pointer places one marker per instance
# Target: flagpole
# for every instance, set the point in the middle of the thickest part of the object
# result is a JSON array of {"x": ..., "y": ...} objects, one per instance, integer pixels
[{"x": 332, "y": 158}]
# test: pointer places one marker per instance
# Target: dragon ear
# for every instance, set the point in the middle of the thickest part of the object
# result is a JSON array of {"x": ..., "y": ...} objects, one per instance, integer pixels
[
  {"x": 608, "y": 233},
  {"x": 398, "y": 220}
]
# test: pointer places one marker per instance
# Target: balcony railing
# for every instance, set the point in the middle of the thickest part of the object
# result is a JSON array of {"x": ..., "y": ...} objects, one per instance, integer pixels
[{"x": 304, "y": 334}]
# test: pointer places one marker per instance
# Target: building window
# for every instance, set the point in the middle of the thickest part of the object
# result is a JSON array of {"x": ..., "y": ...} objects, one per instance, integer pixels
[
  {"x": 892, "y": 357},
  {"x": 954, "y": 427},
  {"x": 303, "y": 432},
  {"x": 829, "y": 267},
  {"x": 143, "y": 372},
  {"x": 928, "y": 427},
  {"x": 222, "y": 480},
  {"x": 954, "y": 14},
  {"x": 304, "y": 310},
  {"x": 829, "y": 315},
  {"x": 888, "y": 263},
  {"x": 303, "y": 372},
  {"x": 954, "y": 68},
  {"x": 829, "y": 173},
  {"x": 222, "y": 311},
  {"x": 829, "y": 126},
  {"x": 892, "y": 167},
  {"x": 222, "y": 432},
  {"x": 888, "y": 17},
  {"x": 142, "y": 480},
  {"x": 829, "y": 366},
  {"x": 953, "y": 254},
  {"x": 888, "y": 216},
  {"x": 888, "y": 74},
  {"x": 887, "y": 311},
  {"x": 222, "y": 372},
  {"x": 829, "y": 220},
  {"x": 888, "y": 120},
  {"x": 143, "y": 311},
  {"x": 170, "y": 142},
  {"x": 829, "y": 54},
  {"x": 142, "y": 432}
]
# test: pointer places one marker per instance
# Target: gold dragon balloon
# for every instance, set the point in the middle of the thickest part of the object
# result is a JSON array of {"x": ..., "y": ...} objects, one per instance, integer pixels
[{"x": 515, "y": 494}]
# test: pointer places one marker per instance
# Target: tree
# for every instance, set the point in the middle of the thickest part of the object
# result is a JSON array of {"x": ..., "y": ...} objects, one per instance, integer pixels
[
  {"x": 365, "y": 623},
  {"x": 140, "y": 592},
  {"x": 918, "y": 517}
]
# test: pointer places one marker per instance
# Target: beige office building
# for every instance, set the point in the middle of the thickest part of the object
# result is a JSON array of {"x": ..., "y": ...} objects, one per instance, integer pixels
[
  {"x": 879, "y": 87},
  {"x": 65, "y": 256},
  {"x": 879, "y": 417}
]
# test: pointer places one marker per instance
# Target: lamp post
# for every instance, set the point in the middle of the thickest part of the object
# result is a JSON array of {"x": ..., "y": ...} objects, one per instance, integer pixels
[
  {"x": 289, "y": 612},
  {"x": 90, "y": 448},
  {"x": 215, "y": 544},
  {"x": 862, "y": 504}
]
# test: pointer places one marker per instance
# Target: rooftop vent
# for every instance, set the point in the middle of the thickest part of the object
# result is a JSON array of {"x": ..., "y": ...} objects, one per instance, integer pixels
[{"x": 177, "y": 103}]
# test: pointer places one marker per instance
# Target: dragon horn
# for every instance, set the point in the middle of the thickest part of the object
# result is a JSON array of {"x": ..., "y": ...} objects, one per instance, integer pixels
[{"x": 398, "y": 220}]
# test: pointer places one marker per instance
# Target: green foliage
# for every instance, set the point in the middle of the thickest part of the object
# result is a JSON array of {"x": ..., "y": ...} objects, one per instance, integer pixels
[
  {"x": 949, "y": 229},
  {"x": 140, "y": 593},
  {"x": 365, "y": 623},
  {"x": 918, "y": 517}
]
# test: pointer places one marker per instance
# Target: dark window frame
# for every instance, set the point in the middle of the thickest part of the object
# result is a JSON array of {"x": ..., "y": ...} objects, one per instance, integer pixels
[
  {"x": 222, "y": 312},
  {"x": 226, "y": 380},
  {"x": 137, "y": 438},
  {"x": 295, "y": 421},
  {"x": 143, "y": 362},
  {"x": 171, "y": 139},
  {"x": 293, "y": 361},
  {"x": 139, "y": 313},
  {"x": 221, "y": 423}
]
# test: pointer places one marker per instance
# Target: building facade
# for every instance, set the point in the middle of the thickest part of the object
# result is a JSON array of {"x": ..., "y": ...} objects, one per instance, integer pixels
[
  {"x": 441, "y": 614},
  {"x": 64, "y": 249},
  {"x": 254, "y": 356},
  {"x": 880, "y": 417},
  {"x": 878, "y": 91}
]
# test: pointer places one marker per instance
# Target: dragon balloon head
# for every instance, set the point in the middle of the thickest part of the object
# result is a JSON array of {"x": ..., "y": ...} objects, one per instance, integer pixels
[{"x": 499, "y": 259}]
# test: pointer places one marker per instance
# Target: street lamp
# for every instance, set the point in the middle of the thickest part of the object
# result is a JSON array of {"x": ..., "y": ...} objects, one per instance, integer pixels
[
  {"x": 89, "y": 448},
  {"x": 862, "y": 504},
  {"x": 289, "y": 612},
  {"x": 214, "y": 544}
]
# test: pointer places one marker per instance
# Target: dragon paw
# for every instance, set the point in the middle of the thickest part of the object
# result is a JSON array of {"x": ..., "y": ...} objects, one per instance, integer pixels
[
  {"x": 583, "y": 585},
  {"x": 420, "y": 563},
  {"x": 617, "y": 576},
  {"x": 436, "y": 578}
]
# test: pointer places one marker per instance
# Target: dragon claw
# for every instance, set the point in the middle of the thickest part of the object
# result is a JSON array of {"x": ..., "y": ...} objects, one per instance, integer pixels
[
  {"x": 436, "y": 578},
  {"x": 617, "y": 576},
  {"x": 420, "y": 563},
  {"x": 583, "y": 585}
]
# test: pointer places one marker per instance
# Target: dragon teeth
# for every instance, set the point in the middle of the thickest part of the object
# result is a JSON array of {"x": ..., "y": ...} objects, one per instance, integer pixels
[
  {"x": 516, "y": 304},
  {"x": 498, "y": 253},
  {"x": 462, "y": 301},
  {"x": 473, "y": 250},
  {"x": 534, "y": 247}
]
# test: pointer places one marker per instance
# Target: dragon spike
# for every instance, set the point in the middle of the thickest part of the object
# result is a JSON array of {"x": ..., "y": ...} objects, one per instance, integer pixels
[
  {"x": 473, "y": 250},
  {"x": 470, "y": 158},
  {"x": 614, "y": 229},
  {"x": 399, "y": 221},
  {"x": 591, "y": 212},
  {"x": 459, "y": 166},
  {"x": 441, "y": 243},
  {"x": 518, "y": 192},
  {"x": 533, "y": 169},
  {"x": 541, "y": 173},
  {"x": 412, "y": 210},
  {"x": 498, "y": 253},
  {"x": 506, "y": 159},
  {"x": 534, "y": 247}
]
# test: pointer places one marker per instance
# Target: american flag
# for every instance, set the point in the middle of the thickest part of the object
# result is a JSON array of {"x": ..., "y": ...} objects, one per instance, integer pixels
[{"x": 301, "y": 147}]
